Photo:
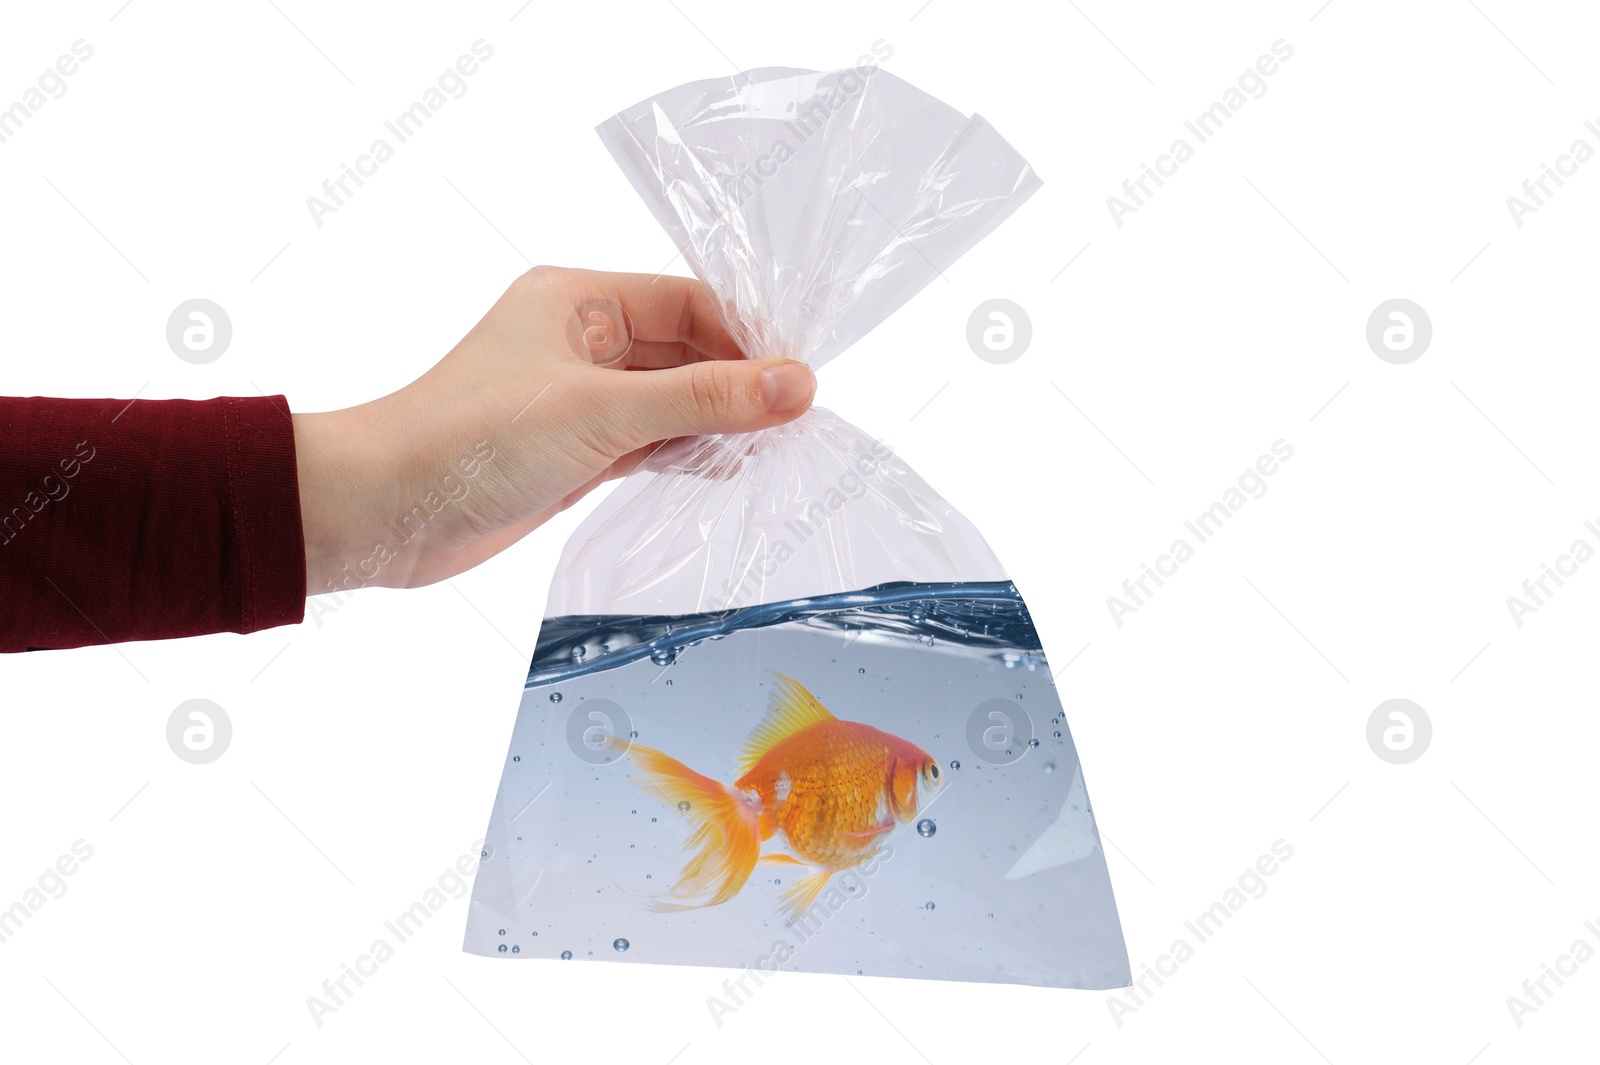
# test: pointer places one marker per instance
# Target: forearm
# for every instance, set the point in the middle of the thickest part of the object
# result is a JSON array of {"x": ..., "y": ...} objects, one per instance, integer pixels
[{"x": 146, "y": 520}]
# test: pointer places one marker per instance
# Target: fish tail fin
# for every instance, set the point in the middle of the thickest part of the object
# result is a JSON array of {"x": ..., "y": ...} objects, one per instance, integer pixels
[
  {"x": 726, "y": 840},
  {"x": 799, "y": 896}
]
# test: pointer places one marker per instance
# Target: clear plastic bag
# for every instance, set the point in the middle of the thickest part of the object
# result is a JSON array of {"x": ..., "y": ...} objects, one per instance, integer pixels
[{"x": 786, "y": 709}]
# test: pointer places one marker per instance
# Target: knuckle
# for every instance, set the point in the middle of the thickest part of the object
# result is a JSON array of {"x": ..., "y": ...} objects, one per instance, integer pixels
[
  {"x": 713, "y": 390},
  {"x": 539, "y": 278}
]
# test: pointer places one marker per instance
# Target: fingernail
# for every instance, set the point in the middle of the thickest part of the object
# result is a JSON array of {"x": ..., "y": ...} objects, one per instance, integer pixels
[{"x": 786, "y": 386}]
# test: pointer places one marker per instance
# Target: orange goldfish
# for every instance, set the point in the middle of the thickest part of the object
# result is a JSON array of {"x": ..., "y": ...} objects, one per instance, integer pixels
[{"x": 832, "y": 788}]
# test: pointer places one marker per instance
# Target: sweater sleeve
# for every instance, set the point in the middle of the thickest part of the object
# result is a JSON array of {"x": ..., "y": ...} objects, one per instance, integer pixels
[{"x": 146, "y": 520}]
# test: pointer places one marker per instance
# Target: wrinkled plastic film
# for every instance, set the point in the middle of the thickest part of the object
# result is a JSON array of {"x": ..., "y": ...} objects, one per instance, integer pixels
[{"x": 811, "y": 206}]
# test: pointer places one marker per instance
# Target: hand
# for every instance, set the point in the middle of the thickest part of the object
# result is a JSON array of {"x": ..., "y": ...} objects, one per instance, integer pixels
[{"x": 529, "y": 412}]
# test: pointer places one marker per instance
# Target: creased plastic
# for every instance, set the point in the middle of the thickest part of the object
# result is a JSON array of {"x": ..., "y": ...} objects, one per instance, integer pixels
[{"x": 811, "y": 206}]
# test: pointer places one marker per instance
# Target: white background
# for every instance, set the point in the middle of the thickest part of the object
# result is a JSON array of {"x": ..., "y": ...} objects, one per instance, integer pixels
[{"x": 1228, "y": 713}]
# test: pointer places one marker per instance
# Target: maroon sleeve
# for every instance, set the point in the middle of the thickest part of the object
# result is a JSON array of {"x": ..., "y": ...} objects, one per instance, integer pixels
[{"x": 146, "y": 520}]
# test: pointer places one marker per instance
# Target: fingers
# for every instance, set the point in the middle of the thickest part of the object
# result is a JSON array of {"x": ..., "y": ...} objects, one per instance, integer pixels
[
  {"x": 671, "y": 320},
  {"x": 703, "y": 398}
]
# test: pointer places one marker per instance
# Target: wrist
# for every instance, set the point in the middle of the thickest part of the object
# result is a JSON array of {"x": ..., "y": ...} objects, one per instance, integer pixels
[{"x": 343, "y": 474}]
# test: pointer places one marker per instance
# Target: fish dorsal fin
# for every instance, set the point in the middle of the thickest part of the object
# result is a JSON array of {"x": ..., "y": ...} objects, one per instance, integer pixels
[{"x": 790, "y": 709}]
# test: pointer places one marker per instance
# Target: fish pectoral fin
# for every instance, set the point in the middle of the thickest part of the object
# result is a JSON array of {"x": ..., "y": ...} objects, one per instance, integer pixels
[
  {"x": 799, "y": 896},
  {"x": 790, "y": 709},
  {"x": 779, "y": 858}
]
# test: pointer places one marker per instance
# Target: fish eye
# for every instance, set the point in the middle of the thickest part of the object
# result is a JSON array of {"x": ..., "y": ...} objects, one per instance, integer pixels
[{"x": 933, "y": 771}]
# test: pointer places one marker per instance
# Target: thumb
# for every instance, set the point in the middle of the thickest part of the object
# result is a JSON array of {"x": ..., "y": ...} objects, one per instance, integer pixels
[{"x": 705, "y": 398}]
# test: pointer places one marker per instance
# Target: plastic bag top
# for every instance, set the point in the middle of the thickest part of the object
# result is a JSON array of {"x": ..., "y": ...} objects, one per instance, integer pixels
[{"x": 813, "y": 205}]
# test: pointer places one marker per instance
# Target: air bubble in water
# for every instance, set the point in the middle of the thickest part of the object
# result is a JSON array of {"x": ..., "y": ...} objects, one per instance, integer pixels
[
  {"x": 619, "y": 945},
  {"x": 516, "y": 758},
  {"x": 555, "y": 697},
  {"x": 664, "y": 656},
  {"x": 861, "y": 670},
  {"x": 502, "y": 931},
  {"x": 516, "y": 949},
  {"x": 1034, "y": 742},
  {"x": 926, "y": 827},
  {"x": 566, "y": 955},
  {"x": 669, "y": 683},
  {"x": 634, "y": 734},
  {"x": 1058, "y": 735},
  {"x": 502, "y": 948},
  {"x": 1049, "y": 767},
  {"x": 683, "y": 806},
  {"x": 928, "y": 906},
  {"x": 578, "y": 653},
  {"x": 955, "y": 765}
]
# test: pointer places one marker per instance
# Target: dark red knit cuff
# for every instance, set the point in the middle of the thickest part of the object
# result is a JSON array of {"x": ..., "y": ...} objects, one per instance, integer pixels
[
  {"x": 147, "y": 520},
  {"x": 265, "y": 492}
]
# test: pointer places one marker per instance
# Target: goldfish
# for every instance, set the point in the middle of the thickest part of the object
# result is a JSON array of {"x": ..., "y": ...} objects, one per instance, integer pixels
[{"x": 831, "y": 789}]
